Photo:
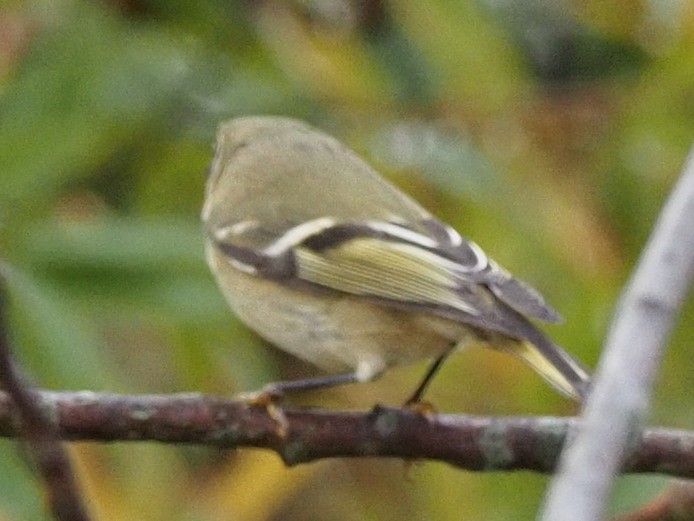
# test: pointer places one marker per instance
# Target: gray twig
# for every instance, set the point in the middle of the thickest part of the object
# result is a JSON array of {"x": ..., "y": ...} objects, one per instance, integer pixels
[{"x": 633, "y": 348}]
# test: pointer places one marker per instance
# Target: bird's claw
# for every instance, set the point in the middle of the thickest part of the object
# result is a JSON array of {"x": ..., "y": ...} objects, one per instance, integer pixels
[
  {"x": 269, "y": 398},
  {"x": 421, "y": 407}
]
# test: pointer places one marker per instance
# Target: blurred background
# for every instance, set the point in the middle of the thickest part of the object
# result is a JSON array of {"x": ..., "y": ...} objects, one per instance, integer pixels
[{"x": 549, "y": 133}]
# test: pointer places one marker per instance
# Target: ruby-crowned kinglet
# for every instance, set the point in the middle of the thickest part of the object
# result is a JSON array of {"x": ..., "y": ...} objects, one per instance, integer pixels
[{"x": 327, "y": 260}]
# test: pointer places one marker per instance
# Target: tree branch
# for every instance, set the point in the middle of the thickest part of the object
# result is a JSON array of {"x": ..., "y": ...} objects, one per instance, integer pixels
[
  {"x": 469, "y": 442},
  {"x": 38, "y": 432},
  {"x": 633, "y": 348},
  {"x": 675, "y": 503}
]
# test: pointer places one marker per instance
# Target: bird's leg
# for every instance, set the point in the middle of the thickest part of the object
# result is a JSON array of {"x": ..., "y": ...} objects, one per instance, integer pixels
[
  {"x": 307, "y": 384},
  {"x": 416, "y": 397},
  {"x": 270, "y": 394}
]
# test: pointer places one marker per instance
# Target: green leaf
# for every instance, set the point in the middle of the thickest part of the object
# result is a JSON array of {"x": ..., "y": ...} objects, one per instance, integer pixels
[{"x": 52, "y": 338}]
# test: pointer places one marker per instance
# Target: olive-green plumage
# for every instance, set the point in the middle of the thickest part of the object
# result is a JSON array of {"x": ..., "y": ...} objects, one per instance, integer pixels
[{"x": 327, "y": 260}]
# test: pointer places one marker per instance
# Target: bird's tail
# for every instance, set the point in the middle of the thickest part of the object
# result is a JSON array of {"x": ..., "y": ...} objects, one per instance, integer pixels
[{"x": 556, "y": 366}]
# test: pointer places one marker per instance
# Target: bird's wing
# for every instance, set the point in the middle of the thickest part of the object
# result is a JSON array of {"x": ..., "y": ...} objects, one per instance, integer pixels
[{"x": 434, "y": 269}]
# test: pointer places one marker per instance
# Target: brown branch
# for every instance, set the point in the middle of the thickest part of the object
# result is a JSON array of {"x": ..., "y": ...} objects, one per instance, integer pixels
[
  {"x": 40, "y": 435},
  {"x": 675, "y": 503},
  {"x": 469, "y": 442}
]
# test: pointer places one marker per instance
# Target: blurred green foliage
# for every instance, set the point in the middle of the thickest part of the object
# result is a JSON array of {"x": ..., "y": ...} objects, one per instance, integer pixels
[{"x": 549, "y": 135}]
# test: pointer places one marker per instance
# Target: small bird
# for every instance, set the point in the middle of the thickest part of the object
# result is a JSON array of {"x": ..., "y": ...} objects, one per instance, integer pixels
[{"x": 327, "y": 260}]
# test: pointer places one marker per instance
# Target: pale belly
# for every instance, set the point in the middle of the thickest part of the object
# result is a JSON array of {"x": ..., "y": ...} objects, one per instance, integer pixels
[{"x": 337, "y": 333}]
